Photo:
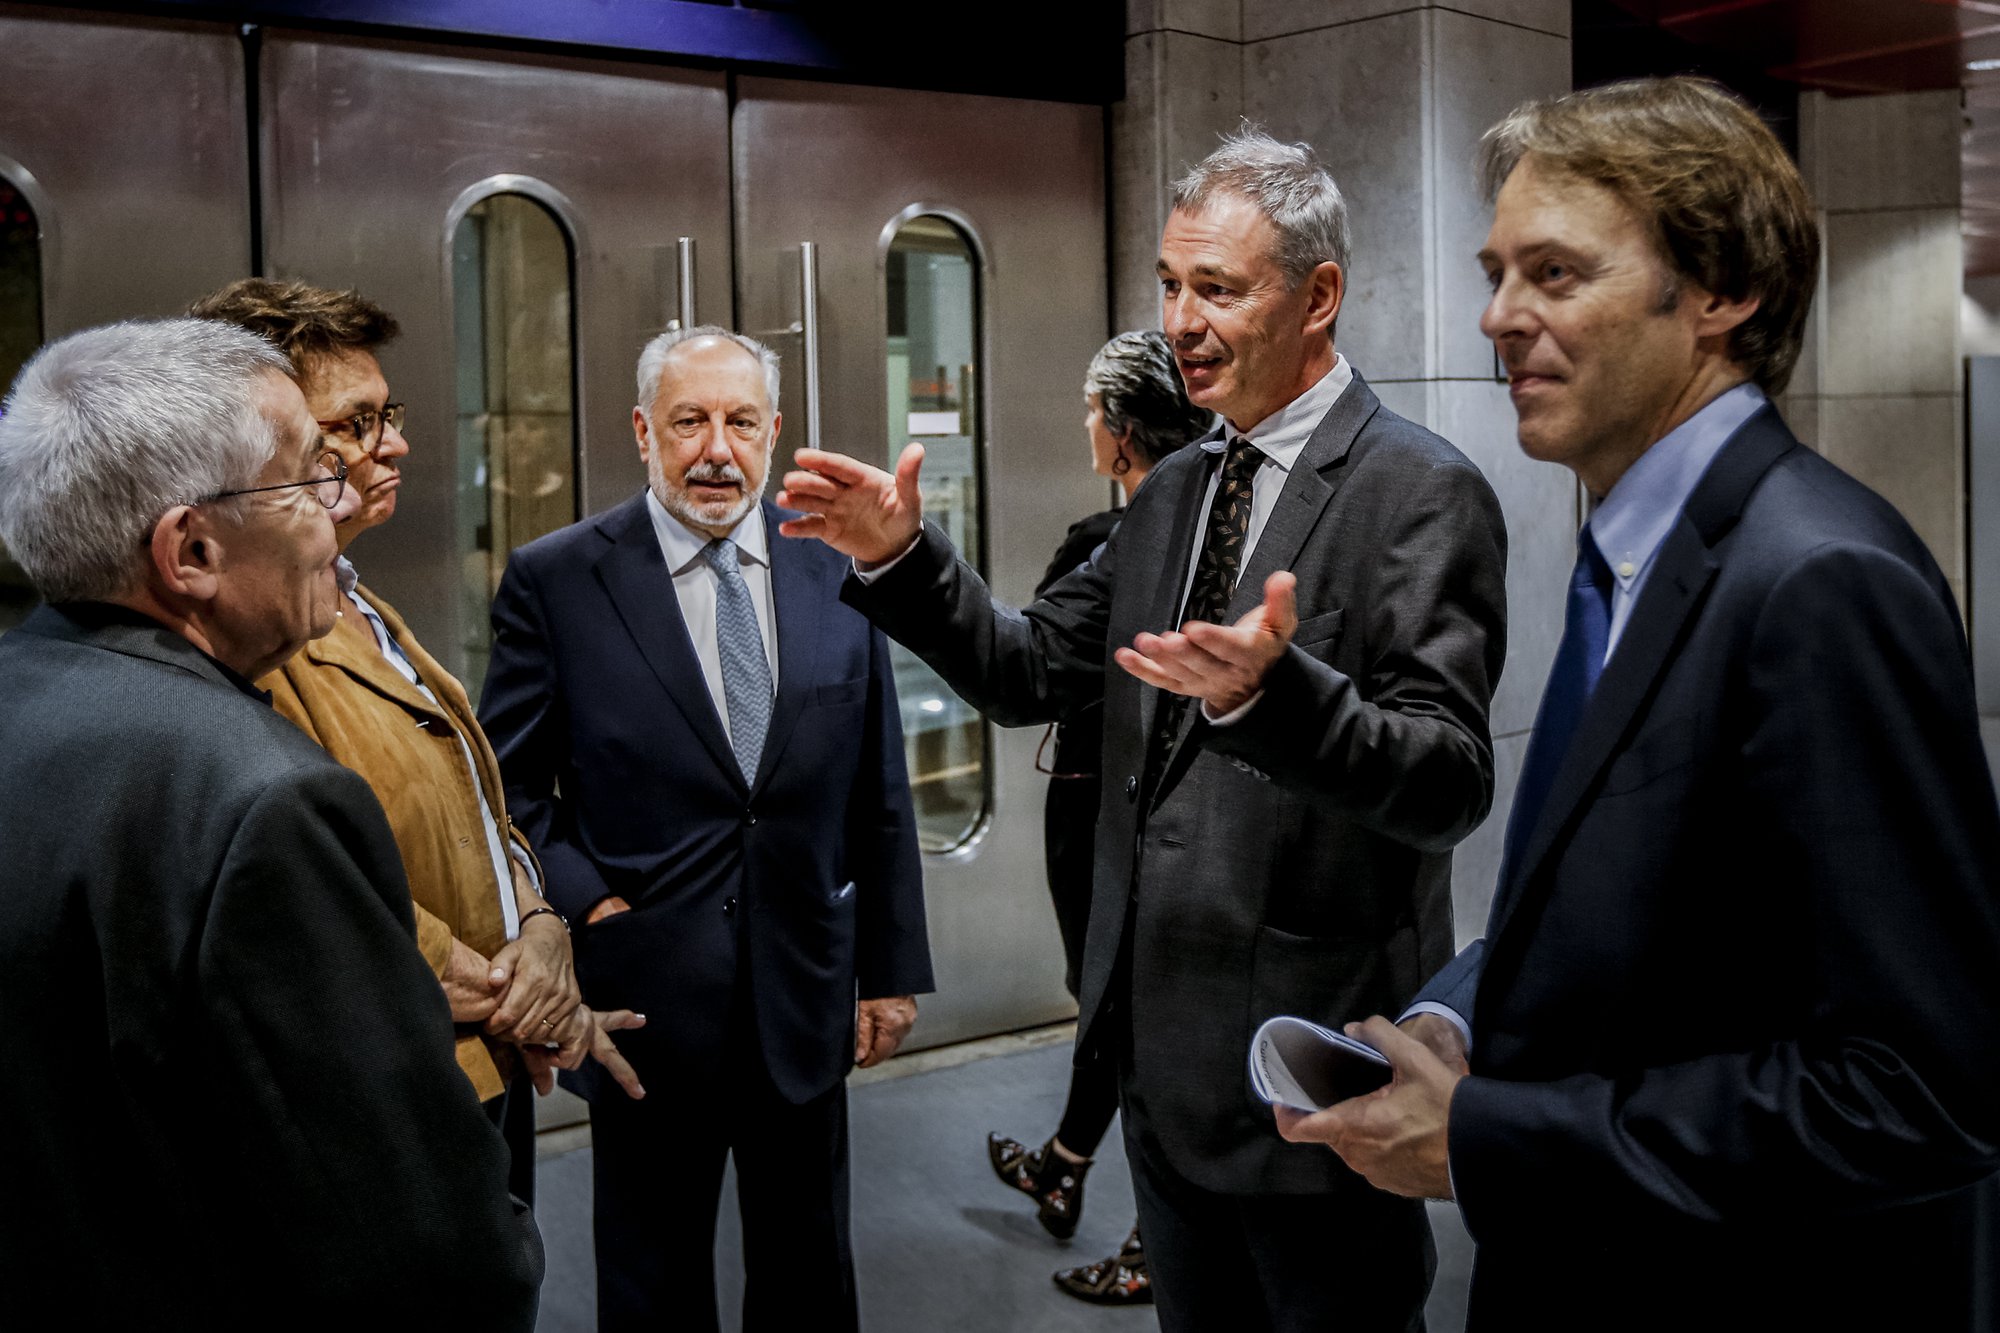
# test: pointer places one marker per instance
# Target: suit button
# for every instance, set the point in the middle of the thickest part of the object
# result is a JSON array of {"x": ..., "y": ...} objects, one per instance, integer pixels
[
  {"x": 1131, "y": 789},
  {"x": 729, "y": 907},
  {"x": 750, "y": 818}
]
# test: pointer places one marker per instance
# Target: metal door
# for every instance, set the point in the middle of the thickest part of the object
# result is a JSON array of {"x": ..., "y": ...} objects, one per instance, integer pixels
[
  {"x": 827, "y": 178},
  {"x": 124, "y": 182},
  {"x": 127, "y": 138},
  {"x": 376, "y": 153}
]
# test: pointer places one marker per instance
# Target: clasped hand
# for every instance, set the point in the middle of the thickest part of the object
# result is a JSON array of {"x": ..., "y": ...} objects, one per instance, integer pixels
[{"x": 874, "y": 516}]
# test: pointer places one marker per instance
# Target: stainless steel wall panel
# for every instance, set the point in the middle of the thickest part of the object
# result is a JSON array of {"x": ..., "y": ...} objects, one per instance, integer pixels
[
  {"x": 129, "y": 139},
  {"x": 838, "y": 166},
  {"x": 371, "y": 152}
]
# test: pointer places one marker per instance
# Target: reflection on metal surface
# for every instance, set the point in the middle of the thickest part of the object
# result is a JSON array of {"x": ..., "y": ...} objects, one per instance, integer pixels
[
  {"x": 511, "y": 294},
  {"x": 933, "y": 306},
  {"x": 20, "y": 334}
]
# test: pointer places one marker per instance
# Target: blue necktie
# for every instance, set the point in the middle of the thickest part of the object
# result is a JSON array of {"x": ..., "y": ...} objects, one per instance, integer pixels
[
  {"x": 746, "y": 672},
  {"x": 1579, "y": 662}
]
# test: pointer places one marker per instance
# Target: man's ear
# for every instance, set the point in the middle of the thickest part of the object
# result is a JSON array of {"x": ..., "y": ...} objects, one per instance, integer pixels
[
  {"x": 1719, "y": 316},
  {"x": 777, "y": 424},
  {"x": 186, "y": 554},
  {"x": 643, "y": 433},
  {"x": 1326, "y": 286}
]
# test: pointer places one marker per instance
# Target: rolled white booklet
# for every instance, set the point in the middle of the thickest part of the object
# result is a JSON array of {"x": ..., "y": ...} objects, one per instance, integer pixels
[{"x": 1302, "y": 1065}]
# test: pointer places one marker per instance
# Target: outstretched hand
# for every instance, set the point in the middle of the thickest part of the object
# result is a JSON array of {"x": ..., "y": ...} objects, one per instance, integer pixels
[
  {"x": 1221, "y": 665},
  {"x": 858, "y": 510}
]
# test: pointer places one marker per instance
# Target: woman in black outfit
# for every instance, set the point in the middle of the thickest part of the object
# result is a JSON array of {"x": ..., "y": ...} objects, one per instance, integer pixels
[{"x": 1138, "y": 413}]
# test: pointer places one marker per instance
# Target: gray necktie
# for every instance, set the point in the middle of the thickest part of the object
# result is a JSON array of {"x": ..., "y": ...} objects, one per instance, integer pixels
[{"x": 746, "y": 672}]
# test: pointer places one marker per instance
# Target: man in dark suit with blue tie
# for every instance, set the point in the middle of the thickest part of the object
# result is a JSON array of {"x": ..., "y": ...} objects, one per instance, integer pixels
[
  {"x": 704, "y": 746},
  {"x": 1732, "y": 1027}
]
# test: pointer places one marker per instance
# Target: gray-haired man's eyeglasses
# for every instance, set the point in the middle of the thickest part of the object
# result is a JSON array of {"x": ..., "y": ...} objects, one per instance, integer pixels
[{"x": 327, "y": 489}]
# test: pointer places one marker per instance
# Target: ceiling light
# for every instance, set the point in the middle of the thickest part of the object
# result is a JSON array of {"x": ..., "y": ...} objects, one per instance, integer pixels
[{"x": 1981, "y": 66}]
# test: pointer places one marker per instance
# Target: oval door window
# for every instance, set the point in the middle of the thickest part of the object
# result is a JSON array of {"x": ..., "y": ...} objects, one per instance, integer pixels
[
  {"x": 20, "y": 335},
  {"x": 934, "y": 323},
  {"x": 512, "y": 268}
]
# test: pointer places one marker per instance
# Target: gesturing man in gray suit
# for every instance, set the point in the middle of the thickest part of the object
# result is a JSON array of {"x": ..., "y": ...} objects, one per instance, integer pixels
[
  {"x": 1296, "y": 632},
  {"x": 233, "y": 1100}
]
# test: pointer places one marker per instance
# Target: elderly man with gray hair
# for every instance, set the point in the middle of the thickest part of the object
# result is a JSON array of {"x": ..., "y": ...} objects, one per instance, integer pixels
[
  {"x": 233, "y": 1099},
  {"x": 1296, "y": 631},
  {"x": 705, "y": 748}
]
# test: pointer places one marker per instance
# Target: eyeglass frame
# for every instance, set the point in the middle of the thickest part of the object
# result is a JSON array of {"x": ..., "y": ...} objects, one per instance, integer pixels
[
  {"x": 389, "y": 414},
  {"x": 339, "y": 470}
]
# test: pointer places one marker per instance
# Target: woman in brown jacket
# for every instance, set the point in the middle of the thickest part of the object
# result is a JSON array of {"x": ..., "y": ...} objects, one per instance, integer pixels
[{"x": 371, "y": 696}]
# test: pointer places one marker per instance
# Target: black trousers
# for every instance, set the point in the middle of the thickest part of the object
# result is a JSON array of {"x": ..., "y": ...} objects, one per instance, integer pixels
[
  {"x": 1349, "y": 1262},
  {"x": 513, "y": 1114},
  {"x": 657, "y": 1169}
]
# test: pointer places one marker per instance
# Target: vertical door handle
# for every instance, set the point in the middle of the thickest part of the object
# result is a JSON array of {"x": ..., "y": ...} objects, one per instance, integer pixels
[
  {"x": 685, "y": 257},
  {"x": 809, "y": 312}
]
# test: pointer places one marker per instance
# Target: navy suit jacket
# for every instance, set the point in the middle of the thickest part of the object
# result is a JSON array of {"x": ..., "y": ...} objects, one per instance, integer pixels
[
  {"x": 798, "y": 887},
  {"x": 1735, "y": 1022}
]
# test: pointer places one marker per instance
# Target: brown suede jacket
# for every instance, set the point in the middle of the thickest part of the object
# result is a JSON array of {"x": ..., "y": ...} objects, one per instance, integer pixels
[{"x": 344, "y": 694}]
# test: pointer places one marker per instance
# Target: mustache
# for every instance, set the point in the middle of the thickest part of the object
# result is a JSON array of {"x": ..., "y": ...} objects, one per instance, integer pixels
[{"x": 715, "y": 474}]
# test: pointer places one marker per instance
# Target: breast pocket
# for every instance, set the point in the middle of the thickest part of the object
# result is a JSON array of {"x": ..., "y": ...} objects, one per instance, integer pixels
[
  {"x": 1320, "y": 634},
  {"x": 1664, "y": 748},
  {"x": 834, "y": 693}
]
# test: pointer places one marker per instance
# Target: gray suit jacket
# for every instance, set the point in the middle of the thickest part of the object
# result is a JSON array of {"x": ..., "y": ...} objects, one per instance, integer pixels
[
  {"x": 1298, "y": 861},
  {"x": 230, "y": 1094}
]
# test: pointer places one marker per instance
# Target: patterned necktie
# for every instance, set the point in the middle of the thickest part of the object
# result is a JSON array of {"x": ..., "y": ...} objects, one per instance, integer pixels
[
  {"x": 1214, "y": 580},
  {"x": 1573, "y": 678},
  {"x": 746, "y": 672}
]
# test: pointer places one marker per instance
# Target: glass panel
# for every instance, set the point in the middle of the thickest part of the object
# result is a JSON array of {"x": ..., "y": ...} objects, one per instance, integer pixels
[
  {"x": 20, "y": 334},
  {"x": 511, "y": 285},
  {"x": 933, "y": 291}
]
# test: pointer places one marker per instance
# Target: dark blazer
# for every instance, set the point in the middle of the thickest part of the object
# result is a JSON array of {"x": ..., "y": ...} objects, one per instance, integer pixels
[
  {"x": 617, "y": 766},
  {"x": 1076, "y": 786},
  {"x": 1736, "y": 1024},
  {"x": 1298, "y": 861},
  {"x": 230, "y": 1098}
]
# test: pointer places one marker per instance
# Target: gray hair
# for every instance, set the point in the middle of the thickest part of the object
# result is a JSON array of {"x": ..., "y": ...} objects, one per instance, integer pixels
[
  {"x": 653, "y": 360},
  {"x": 1288, "y": 184},
  {"x": 1140, "y": 390},
  {"x": 106, "y": 430}
]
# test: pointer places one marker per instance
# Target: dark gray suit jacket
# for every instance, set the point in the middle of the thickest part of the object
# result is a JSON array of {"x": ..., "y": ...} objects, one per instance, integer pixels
[
  {"x": 1735, "y": 1028},
  {"x": 230, "y": 1099},
  {"x": 1298, "y": 861}
]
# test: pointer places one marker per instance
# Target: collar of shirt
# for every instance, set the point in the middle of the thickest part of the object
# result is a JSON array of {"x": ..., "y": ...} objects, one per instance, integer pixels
[
  {"x": 682, "y": 545},
  {"x": 344, "y": 575},
  {"x": 1283, "y": 434},
  {"x": 1630, "y": 523}
]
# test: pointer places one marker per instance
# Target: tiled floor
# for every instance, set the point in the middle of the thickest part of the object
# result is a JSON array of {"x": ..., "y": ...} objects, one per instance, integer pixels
[{"x": 938, "y": 1242}]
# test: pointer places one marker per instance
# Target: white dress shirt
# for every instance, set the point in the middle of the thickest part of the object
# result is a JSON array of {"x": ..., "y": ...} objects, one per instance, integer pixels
[{"x": 694, "y": 585}]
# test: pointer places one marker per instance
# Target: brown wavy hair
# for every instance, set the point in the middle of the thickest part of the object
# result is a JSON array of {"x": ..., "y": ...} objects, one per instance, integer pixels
[
  {"x": 1726, "y": 203},
  {"x": 306, "y": 322}
]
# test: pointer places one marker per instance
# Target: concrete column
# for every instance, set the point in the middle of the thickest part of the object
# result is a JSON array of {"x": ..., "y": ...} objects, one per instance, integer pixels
[
  {"x": 1878, "y": 388},
  {"x": 1183, "y": 87},
  {"x": 1396, "y": 98}
]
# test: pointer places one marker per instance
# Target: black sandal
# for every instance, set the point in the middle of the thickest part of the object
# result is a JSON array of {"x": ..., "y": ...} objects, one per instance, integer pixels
[
  {"x": 1046, "y": 1176},
  {"x": 1120, "y": 1280}
]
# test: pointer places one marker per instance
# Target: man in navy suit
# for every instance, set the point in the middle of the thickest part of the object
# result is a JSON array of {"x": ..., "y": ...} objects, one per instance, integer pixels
[
  {"x": 704, "y": 746},
  {"x": 1732, "y": 1027}
]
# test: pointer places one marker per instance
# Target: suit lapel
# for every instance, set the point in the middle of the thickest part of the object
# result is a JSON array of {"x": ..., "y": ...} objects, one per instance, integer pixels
[
  {"x": 796, "y": 606},
  {"x": 1680, "y": 578},
  {"x": 635, "y": 576},
  {"x": 1186, "y": 524}
]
